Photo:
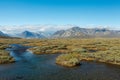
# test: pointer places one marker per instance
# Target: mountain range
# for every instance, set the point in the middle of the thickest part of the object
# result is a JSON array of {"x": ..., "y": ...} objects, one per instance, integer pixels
[
  {"x": 74, "y": 32},
  {"x": 84, "y": 32}
]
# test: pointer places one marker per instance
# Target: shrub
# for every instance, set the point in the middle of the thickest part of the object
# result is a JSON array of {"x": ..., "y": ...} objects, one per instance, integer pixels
[{"x": 69, "y": 60}]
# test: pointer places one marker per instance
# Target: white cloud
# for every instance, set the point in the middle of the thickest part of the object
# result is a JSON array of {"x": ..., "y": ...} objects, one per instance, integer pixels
[
  {"x": 45, "y": 28},
  {"x": 33, "y": 28}
]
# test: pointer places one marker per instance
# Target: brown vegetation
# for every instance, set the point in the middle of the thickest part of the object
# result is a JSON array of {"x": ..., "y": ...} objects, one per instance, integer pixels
[
  {"x": 68, "y": 60},
  {"x": 98, "y": 49}
]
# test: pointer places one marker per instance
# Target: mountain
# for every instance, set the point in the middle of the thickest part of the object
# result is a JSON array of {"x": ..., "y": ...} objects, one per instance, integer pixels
[
  {"x": 72, "y": 32},
  {"x": 28, "y": 34},
  {"x": 102, "y": 32},
  {"x": 45, "y": 34},
  {"x": 76, "y": 32},
  {"x": 3, "y": 34}
]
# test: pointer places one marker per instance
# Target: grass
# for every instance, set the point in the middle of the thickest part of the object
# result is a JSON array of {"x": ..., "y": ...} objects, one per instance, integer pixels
[
  {"x": 68, "y": 60},
  {"x": 97, "y": 49},
  {"x": 5, "y": 57}
]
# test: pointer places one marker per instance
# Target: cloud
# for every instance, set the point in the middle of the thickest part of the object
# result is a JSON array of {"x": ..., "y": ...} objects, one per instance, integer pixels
[
  {"x": 34, "y": 28},
  {"x": 46, "y": 28}
]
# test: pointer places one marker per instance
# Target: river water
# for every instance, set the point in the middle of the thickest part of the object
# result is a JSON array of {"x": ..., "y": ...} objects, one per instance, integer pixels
[{"x": 43, "y": 67}]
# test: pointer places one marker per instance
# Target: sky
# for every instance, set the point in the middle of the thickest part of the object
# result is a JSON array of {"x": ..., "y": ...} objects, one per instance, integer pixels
[{"x": 61, "y": 12}]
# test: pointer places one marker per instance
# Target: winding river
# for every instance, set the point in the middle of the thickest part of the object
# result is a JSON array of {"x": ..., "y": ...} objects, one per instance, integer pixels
[{"x": 43, "y": 67}]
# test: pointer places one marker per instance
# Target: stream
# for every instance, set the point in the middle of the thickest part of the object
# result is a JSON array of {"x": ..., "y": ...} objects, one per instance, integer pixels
[{"x": 43, "y": 67}]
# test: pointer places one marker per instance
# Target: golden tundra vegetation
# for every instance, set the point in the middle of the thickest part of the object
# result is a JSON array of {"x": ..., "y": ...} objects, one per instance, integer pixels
[{"x": 71, "y": 51}]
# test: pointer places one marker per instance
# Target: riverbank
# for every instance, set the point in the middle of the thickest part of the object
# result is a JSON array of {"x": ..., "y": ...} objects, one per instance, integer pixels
[
  {"x": 5, "y": 57},
  {"x": 73, "y": 59}
]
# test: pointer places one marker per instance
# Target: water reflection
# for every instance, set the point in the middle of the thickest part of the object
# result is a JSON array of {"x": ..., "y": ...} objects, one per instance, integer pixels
[{"x": 20, "y": 52}]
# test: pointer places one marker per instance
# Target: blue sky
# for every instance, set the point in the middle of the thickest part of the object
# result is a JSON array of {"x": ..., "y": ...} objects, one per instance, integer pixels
[{"x": 78, "y": 12}]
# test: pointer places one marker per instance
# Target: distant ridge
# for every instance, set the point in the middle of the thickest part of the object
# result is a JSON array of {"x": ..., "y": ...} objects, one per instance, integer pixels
[
  {"x": 3, "y": 34},
  {"x": 74, "y": 32},
  {"x": 77, "y": 32},
  {"x": 28, "y": 34}
]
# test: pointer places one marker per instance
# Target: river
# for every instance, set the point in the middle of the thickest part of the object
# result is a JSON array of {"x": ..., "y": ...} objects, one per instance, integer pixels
[{"x": 43, "y": 67}]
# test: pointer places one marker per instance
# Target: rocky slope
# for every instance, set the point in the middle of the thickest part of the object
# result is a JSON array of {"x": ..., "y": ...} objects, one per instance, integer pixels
[{"x": 84, "y": 32}]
